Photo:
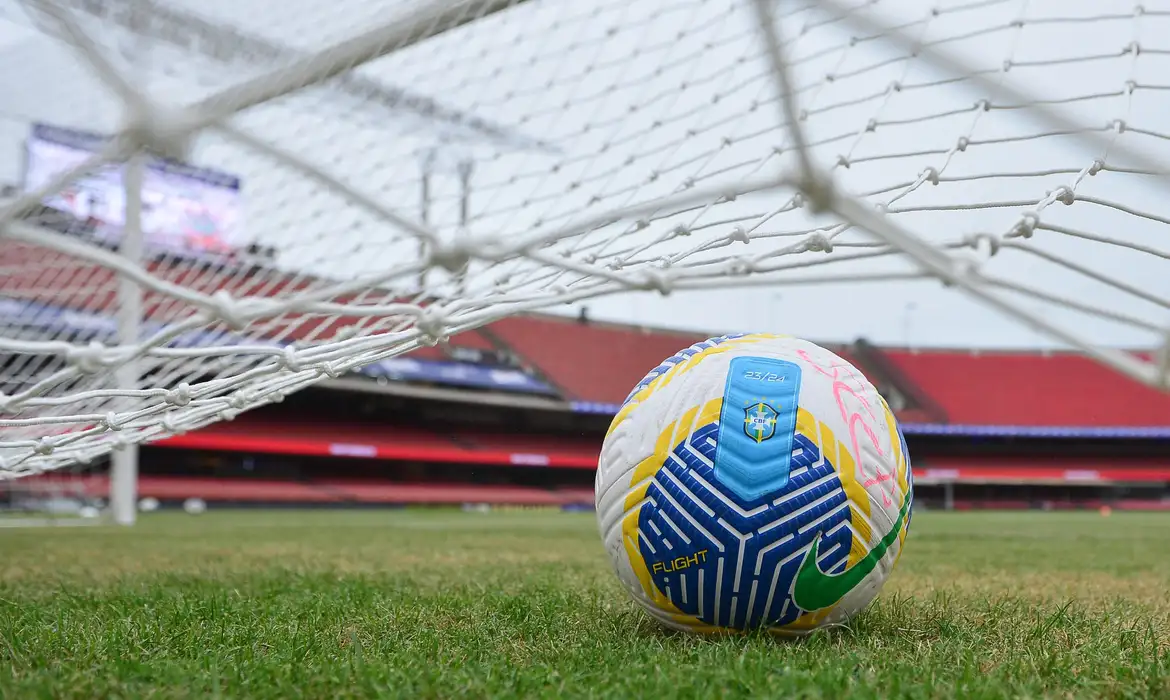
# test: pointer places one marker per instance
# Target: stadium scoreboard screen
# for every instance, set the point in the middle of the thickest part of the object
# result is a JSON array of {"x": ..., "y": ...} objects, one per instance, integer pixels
[{"x": 185, "y": 209}]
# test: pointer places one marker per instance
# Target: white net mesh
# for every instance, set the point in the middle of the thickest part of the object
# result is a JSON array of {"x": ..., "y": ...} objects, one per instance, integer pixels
[{"x": 1012, "y": 149}]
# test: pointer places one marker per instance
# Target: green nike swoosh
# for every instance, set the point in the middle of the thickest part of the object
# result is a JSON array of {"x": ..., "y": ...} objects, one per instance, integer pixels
[{"x": 815, "y": 590}]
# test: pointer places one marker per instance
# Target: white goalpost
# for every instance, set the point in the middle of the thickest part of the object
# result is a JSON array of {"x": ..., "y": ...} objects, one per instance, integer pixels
[{"x": 1004, "y": 155}]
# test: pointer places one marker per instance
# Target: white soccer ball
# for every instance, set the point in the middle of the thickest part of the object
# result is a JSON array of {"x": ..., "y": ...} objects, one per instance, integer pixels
[
  {"x": 148, "y": 504},
  {"x": 195, "y": 506},
  {"x": 754, "y": 481}
]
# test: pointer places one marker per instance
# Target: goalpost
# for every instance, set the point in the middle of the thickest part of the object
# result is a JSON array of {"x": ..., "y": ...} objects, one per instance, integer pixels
[{"x": 1007, "y": 150}]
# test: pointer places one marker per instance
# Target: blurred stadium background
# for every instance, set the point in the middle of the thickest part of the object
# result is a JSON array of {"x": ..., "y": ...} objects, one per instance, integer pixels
[
  {"x": 263, "y": 598},
  {"x": 513, "y": 414}
]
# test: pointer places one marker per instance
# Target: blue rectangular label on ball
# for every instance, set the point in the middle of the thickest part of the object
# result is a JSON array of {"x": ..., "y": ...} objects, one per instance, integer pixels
[{"x": 757, "y": 425}]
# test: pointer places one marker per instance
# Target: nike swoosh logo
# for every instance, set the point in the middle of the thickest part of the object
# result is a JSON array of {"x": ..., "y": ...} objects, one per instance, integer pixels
[{"x": 815, "y": 590}]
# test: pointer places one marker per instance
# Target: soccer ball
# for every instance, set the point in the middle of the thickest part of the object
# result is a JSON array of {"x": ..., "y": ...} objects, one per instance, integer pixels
[
  {"x": 754, "y": 481},
  {"x": 195, "y": 506}
]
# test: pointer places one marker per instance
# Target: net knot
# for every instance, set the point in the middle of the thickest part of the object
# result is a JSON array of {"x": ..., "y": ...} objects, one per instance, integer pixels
[
  {"x": 162, "y": 130},
  {"x": 113, "y": 421},
  {"x": 656, "y": 281},
  {"x": 44, "y": 446},
  {"x": 451, "y": 257},
  {"x": 818, "y": 192},
  {"x": 88, "y": 359},
  {"x": 739, "y": 233},
  {"x": 227, "y": 310},
  {"x": 818, "y": 242},
  {"x": 1026, "y": 225},
  {"x": 980, "y": 240},
  {"x": 1096, "y": 167},
  {"x": 331, "y": 371},
  {"x": 740, "y": 266},
  {"x": 289, "y": 359},
  {"x": 179, "y": 396},
  {"x": 1065, "y": 195},
  {"x": 239, "y": 401},
  {"x": 432, "y": 326},
  {"x": 170, "y": 426},
  {"x": 1118, "y": 125},
  {"x": 930, "y": 174}
]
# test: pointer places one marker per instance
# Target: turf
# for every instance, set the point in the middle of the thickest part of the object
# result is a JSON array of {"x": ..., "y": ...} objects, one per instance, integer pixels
[{"x": 449, "y": 604}]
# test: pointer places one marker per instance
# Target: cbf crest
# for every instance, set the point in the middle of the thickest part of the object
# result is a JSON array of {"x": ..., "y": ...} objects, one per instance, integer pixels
[{"x": 760, "y": 421}]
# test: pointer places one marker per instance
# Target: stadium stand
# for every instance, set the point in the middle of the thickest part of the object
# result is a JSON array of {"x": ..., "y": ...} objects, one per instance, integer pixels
[
  {"x": 388, "y": 442},
  {"x": 986, "y": 429},
  {"x": 590, "y": 362},
  {"x": 1031, "y": 389}
]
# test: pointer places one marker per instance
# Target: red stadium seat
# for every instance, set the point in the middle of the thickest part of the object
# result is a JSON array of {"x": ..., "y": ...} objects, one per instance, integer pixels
[{"x": 1029, "y": 389}]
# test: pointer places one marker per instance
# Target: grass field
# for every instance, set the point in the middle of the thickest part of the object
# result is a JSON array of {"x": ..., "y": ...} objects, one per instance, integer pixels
[{"x": 449, "y": 604}]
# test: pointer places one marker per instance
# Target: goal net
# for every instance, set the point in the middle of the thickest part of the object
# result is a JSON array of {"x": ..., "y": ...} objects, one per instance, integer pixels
[{"x": 223, "y": 202}]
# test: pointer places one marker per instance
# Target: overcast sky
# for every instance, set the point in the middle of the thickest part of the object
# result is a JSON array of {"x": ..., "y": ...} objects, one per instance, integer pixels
[{"x": 642, "y": 98}]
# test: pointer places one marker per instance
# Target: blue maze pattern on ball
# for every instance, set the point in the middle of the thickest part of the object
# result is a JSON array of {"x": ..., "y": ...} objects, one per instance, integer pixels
[{"x": 730, "y": 562}]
